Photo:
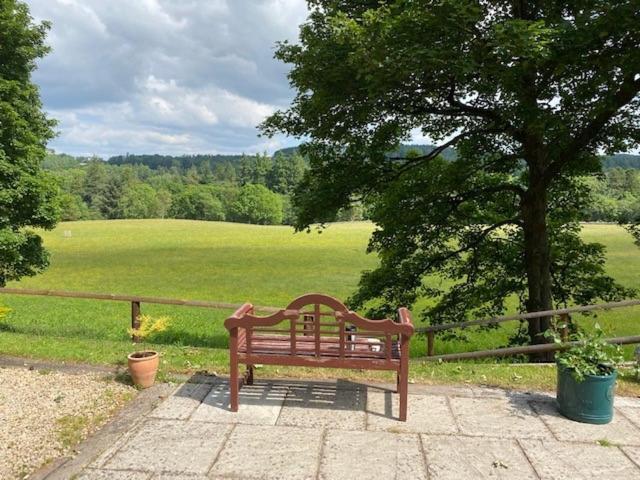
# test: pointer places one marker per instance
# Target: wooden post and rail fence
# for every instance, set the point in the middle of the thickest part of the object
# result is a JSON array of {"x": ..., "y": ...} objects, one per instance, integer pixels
[
  {"x": 564, "y": 315},
  {"x": 136, "y": 301}
]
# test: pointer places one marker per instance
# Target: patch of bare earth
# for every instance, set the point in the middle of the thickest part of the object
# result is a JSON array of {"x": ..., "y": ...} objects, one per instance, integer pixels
[{"x": 44, "y": 414}]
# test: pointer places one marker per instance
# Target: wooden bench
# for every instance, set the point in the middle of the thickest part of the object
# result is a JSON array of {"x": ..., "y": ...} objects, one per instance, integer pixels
[{"x": 318, "y": 331}]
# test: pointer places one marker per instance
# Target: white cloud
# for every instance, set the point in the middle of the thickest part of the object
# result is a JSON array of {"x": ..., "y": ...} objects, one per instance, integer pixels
[{"x": 165, "y": 76}]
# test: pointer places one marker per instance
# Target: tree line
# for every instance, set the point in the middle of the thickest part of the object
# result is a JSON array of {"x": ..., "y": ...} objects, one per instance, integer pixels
[{"x": 248, "y": 189}]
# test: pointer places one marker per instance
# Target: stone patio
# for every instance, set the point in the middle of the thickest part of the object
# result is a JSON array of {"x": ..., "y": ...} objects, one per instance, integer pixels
[{"x": 345, "y": 430}]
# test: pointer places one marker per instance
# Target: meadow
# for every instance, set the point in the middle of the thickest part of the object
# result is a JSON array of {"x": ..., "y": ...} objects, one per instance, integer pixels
[{"x": 267, "y": 265}]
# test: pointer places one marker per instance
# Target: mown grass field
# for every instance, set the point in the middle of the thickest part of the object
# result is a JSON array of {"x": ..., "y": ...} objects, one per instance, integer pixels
[{"x": 231, "y": 263}]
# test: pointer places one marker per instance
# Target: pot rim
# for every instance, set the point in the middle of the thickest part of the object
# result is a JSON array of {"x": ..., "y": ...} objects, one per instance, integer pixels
[
  {"x": 141, "y": 359},
  {"x": 614, "y": 372}
]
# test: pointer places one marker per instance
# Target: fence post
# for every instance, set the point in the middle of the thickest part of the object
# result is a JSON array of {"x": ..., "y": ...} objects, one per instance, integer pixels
[
  {"x": 135, "y": 319},
  {"x": 565, "y": 320},
  {"x": 430, "y": 341}
]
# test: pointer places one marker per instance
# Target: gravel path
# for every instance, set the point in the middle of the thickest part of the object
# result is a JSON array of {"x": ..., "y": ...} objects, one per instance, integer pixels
[{"x": 43, "y": 414}]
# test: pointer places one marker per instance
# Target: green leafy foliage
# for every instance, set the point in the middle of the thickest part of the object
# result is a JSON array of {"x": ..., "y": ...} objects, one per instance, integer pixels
[
  {"x": 257, "y": 204},
  {"x": 197, "y": 202},
  {"x": 591, "y": 356},
  {"x": 143, "y": 187},
  {"x": 28, "y": 196},
  {"x": 615, "y": 195},
  {"x": 530, "y": 94}
]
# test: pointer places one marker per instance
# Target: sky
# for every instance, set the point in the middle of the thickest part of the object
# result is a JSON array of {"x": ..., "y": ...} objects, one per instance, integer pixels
[{"x": 165, "y": 76}]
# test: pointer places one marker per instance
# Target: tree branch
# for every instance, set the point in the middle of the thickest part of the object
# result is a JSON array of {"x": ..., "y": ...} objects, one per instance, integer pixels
[
  {"x": 625, "y": 94},
  {"x": 481, "y": 236},
  {"x": 471, "y": 110},
  {"x": 500, "y": 187},
  {"x": 436, "y": 151}
]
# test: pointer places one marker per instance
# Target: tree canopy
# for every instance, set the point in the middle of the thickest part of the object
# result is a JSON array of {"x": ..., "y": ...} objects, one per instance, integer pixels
[
  {"x": 529, "y": 94},
  {"x": 257, "y": 204},
  {"x": 28, "y": 196}
]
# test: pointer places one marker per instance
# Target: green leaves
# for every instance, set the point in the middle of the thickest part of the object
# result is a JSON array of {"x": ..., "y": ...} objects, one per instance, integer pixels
[
  {"x": 517, "y": 39},
  {"x": 591, "y": 356},
  {"x": 257, "y": 204},
  {"x": 21, "y": 254},
  {"x": 28, "y": 197}
]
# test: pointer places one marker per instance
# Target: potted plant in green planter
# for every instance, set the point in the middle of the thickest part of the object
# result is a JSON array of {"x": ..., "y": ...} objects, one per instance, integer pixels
[
  {"x": 143, "y": 364},
  {"x": 587, "y": 373}
]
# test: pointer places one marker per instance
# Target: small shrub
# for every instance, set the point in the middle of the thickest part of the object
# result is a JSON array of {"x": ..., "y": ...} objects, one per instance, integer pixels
[
  {"x": 149, "y": 326},
  {"x": 592, "y": 355}
]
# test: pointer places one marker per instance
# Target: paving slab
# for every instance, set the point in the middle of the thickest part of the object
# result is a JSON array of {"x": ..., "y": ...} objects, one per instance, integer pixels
[
  {"x": 171, "y": 476},
  {"x": 555, "y": 460},
  {"x": 426, "y": 414},
  {"x": 371, "y": 455},
  {"x": 260, "y": 404},
  {"x": 498, "y": 417},
  {"x": 627, "y": 401},
  {"x": 449, "y": 390},
  {"x": 486, "y": 392},
  {"x": 91, "y": 474},
  {"x": 457, "y": 457},
  {"x": 632, "y": 413},
  {"x": 319, "y": 406},
  {"x": 620, "y": 431},
  {"x": 182, "y": 402},
  {"x": 633, "y": 453},
  {"x": 344, "y": 430},
  {"x": 171, "y": 446},
  {"x": 270, "y": 452},
  {"x": 110, "y": 451}
]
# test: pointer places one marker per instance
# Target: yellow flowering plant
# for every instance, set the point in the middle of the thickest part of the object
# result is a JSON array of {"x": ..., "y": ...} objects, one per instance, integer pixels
[{"x": 149, "y": 326}]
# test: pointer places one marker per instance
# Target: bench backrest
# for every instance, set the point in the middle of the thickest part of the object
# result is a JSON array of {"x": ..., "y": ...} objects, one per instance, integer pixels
[{"x": 322, "y": 325}]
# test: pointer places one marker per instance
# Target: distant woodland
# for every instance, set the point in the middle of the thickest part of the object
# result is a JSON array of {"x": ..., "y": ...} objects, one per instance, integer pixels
[{"x": 256, "y": 188}]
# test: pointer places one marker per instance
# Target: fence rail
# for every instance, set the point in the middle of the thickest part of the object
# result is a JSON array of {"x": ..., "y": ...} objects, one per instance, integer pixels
[
  {"x": 524, "y": 350},
  {"x": 563, "y": 313},
  {"x": 135, "y": 300}
]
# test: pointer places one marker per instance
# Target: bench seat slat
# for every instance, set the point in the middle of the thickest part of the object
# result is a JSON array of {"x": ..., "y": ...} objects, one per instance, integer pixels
[{"x": 281, "y": 344}]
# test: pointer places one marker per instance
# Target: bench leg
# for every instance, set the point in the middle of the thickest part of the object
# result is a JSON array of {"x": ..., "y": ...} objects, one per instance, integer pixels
[
  {"x": 249, "y": 374},
  {"x": 403, "y": 387},
  {"x": 233, "y": 371},
  {"x": 234, "y": 386},
  {"x": 397, "y": 383},
  {"x": 403, "y": 390}
]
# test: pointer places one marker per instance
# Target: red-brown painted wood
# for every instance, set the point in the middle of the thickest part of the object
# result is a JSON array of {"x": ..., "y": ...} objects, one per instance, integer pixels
[{"x": 315, "y": 337}]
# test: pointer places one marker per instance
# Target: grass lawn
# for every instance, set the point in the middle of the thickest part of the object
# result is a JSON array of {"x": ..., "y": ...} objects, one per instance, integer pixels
[{"x": 231, "y": 263}]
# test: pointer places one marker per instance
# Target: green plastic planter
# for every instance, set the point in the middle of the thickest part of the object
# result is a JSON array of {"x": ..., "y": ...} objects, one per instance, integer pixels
[{"x": 589, "y": 401}]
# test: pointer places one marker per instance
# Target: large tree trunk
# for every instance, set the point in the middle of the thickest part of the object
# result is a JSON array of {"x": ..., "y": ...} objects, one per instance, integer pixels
[{"x": 537, "y": 261}]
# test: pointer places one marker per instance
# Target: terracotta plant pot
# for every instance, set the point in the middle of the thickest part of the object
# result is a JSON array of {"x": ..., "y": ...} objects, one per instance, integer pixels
[{"x": 143, "y": 367}]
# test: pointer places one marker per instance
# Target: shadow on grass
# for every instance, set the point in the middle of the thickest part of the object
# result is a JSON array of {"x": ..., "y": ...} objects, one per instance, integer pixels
[
  {"x": 169, "y": 337},
  {"x": 185, "y": 338},
  {"x": 5, "y": 327}
]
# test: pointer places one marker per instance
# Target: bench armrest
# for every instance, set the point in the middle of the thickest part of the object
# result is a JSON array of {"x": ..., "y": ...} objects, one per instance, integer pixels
[
  {"x": 405, "y": 319},
  {"x": 405, "y": 316},
  {"x": 244, "y": 318}
]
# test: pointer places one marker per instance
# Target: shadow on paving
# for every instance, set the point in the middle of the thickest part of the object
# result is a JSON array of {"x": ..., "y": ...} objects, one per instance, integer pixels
[{"x": 340, "y": 395}]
